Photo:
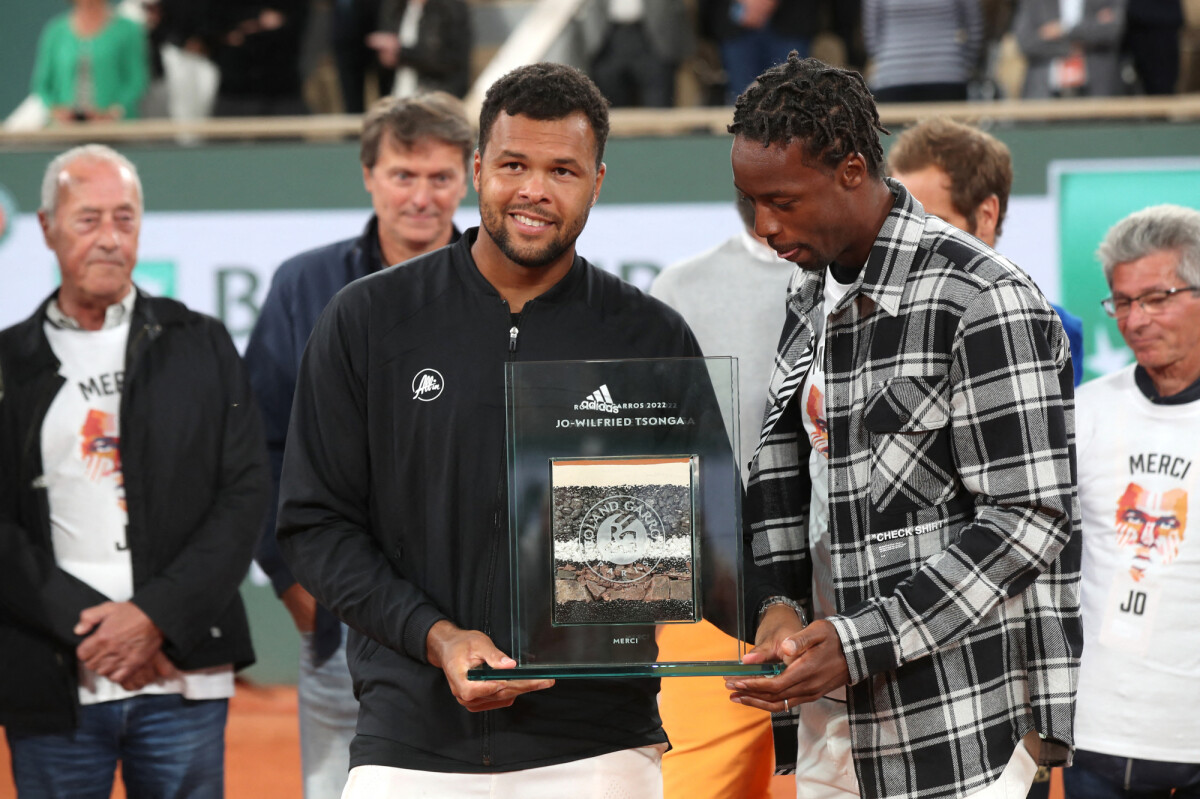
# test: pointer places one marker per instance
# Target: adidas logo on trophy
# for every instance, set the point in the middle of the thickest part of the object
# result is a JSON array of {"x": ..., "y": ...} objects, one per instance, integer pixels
[{"x": 599, "y": 400}]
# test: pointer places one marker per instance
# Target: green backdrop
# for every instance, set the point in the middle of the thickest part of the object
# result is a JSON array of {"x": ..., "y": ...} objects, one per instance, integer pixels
[{"x": 1092, "y": 197}]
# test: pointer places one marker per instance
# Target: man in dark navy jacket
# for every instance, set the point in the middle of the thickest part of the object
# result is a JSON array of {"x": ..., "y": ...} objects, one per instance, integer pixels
[{"x": 414, "y": 160}]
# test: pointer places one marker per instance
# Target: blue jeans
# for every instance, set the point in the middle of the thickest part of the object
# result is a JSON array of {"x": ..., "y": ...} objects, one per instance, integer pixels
[
  {"x": 168, "y": 747},
  {"x": 328, "y": 716},
  {"x": 1098, "y": 776},
  {"x": 749, "y": 54}
]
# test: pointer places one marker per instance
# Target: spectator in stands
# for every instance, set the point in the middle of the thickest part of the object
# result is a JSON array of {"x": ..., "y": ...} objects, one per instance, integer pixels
[
  {"x": 844, "y": 20},
  {"x": 993, "y": 64},
  {"x": 756, "y": 34},
  {"x": 353, "y": 22},
  {"x": 1138, "y": 437},
  {"x": 427, "y": 43},
  {"x": 258, "y": 53},
  {"x": 922, "y": 50},
  {"x": 964, "y": 176},
  {"x": 1152, "y": 39},
  {"x": 1072, "y": 47},
  {"x": 181, "y": 35},
  {"x": 415, "y": 155},
  {"x": 635, "y": 47},
  {"x": 92, "y": 65}
]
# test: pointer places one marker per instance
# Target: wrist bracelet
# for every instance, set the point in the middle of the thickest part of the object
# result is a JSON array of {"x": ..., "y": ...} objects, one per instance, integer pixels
[{"x": 782, "y": 600}]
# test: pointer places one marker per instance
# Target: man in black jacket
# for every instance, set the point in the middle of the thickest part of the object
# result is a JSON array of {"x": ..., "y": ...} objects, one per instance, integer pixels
[
  {"x": 257, "y": 49},
  {"x": 427, "y": 44},
  {"x": 133, "y": 480},
  {"x": 414, "y": 154},
  {"x": 392, "y": 509}
]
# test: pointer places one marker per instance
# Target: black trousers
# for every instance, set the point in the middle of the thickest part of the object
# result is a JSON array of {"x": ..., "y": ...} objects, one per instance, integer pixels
[
  {"x": 922, "y": 93},
  {"x": 1155, "y": 51},
  {"x": 629, "y": 72}
]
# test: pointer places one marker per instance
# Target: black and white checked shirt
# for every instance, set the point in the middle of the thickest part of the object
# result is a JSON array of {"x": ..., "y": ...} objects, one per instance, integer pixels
[{"x": 953, "y": 510}]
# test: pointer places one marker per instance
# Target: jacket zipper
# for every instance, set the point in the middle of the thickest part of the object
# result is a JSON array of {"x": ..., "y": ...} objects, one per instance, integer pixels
[
  {"x": 486, "y": 754},
  {"x": 497, "y": 525},
  {"x": 513, "y": 332}
]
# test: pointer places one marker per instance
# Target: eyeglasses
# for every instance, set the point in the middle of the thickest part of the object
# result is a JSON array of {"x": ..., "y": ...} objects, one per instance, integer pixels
[{"x": 1152, "y": 302}]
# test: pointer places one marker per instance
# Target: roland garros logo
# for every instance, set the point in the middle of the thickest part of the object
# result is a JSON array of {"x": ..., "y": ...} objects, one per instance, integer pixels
[
  {"x": 618, "y": 535},
  {"x": 427, "y": 385}
]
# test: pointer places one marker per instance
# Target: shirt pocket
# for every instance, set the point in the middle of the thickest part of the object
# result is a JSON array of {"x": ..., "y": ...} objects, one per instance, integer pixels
[{"x": 908, "y": 421}]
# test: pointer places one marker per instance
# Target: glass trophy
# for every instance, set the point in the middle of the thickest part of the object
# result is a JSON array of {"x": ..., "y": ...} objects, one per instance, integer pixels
[{"x": 624, "y": 516}]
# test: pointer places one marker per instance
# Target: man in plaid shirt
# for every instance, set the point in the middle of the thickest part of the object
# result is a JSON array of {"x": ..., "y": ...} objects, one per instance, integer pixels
[{"x": 914, "y": 487}]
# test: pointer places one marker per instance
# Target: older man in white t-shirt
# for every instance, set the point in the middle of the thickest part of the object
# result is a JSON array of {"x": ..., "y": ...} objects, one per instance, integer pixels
[
  {"x": 1138, "y": 434},
  {"x": 134, "y": 480}
]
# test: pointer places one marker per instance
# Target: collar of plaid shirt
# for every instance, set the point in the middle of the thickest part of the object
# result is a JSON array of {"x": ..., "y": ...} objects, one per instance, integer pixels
[{"x": 882, "y": 279}]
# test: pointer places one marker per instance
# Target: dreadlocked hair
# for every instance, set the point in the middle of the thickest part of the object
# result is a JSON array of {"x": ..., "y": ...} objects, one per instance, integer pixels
[{"x": 829, "y": 110}]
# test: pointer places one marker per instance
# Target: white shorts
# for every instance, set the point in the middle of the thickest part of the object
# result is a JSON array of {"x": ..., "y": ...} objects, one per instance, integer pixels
[
  {"x": 628, "y": 774},
  {"x": 825, "y": 763}
]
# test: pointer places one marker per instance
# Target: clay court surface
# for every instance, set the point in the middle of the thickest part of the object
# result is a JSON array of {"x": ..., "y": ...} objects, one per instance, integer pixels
[{"x": 262, "y": 759}]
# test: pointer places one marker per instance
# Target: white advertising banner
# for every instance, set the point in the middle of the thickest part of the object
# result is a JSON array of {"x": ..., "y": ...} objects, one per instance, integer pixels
[{"x": 221, "y": 262}]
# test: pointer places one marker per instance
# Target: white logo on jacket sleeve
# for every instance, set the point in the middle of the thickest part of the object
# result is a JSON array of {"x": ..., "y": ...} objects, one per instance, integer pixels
[{"x": 427, "y": 385}]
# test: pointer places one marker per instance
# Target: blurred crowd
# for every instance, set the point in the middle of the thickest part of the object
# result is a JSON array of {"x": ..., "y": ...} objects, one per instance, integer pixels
[{"x": 191, "y": 59}]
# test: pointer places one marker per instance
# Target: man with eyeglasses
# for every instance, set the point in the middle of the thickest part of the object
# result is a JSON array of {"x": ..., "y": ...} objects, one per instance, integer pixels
[{"x": 1138, "y": 438}]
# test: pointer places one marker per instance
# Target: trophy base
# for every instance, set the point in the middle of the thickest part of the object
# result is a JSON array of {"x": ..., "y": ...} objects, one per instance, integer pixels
[{"x": 716, "y": 668}]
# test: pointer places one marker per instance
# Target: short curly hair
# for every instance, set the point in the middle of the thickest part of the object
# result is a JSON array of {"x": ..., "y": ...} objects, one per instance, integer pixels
[
  {"x": 546, "y": 91},
  {"x": 977, "y": 163},
  {"x": 829, "y": 110}
]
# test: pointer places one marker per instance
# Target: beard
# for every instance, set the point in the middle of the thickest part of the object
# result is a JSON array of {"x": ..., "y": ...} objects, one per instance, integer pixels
[{"x": 530, "y": 256}]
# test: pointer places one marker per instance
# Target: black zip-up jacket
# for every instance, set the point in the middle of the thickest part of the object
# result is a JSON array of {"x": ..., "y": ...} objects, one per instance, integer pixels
[
  {"x": 196, "y": 482},
  {"x": 393, "y": 504}
]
